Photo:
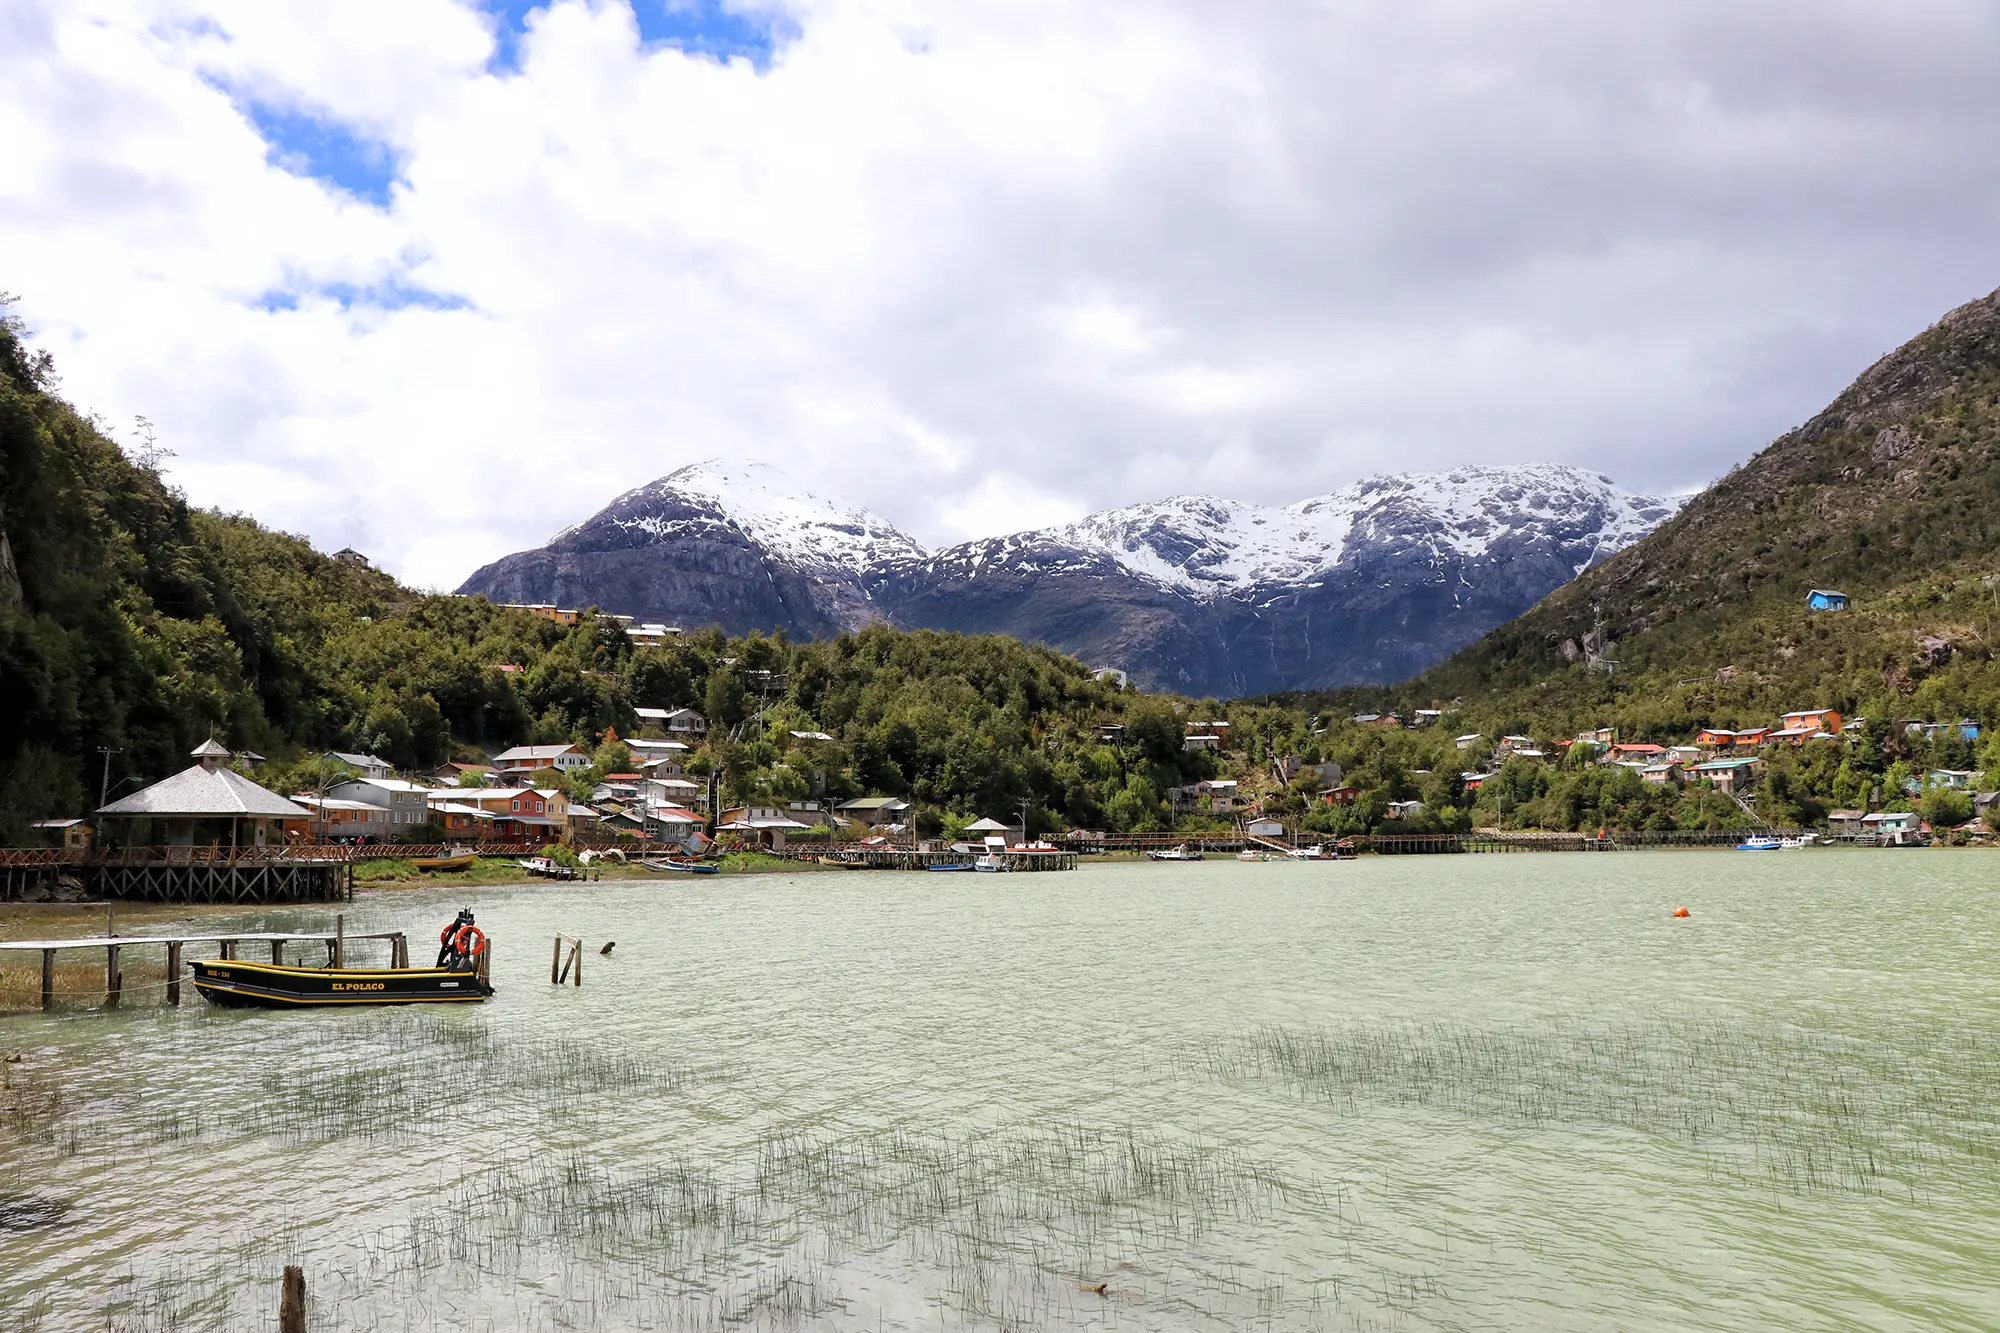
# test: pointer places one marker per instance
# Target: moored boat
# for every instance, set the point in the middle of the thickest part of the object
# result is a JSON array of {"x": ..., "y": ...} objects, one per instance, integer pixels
[
  {"x": 454, "y": 860},
  {"x": 236, "y": 984},
  {"x": 1180, "y": 853},
  {"x": 683, "y": 867},
  {"x": 1760, "y": 843}
]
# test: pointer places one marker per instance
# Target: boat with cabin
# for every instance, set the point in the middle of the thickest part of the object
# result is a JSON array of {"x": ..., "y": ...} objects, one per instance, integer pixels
[{"x": 1180, "y": 853}]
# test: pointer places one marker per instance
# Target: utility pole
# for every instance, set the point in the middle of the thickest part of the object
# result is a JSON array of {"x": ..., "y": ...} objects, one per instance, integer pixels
[{"x": 104, "y": 784}]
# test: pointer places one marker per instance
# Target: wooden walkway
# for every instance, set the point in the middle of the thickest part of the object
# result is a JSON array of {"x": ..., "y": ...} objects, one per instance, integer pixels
[
  {"x": 229, "y": 945},
  {"x": 889, "y": 858}
]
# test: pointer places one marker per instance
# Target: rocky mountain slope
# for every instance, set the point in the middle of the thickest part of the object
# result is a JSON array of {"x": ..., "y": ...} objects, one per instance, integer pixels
[
  {"x": 714, "y": 543},
  {"x": 1890, "y": 495},
  {"x": 1197, "y": 594}
]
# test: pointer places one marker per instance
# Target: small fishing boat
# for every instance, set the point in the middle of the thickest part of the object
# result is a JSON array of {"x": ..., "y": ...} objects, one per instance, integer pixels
[
  {"x": 1316, "y": 852},
  {"x": 456, "y": 859},
  {"x": 1803, "y": 840},
  {"x": 1247, "y": 855},
  {"x": 1761, "y": 843},
  {"x": 1180, "y": 853},
  {"x": 235, "y": 984},
  {"x": 548, "y": 868},
  {"x": 683, "y": 867},
  {"x": 954, "y": 866},
  {"x": 991, "y": 862}
]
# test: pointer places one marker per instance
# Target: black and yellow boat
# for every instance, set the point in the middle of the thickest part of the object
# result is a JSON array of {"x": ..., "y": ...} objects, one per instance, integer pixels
[{"x": 240, "y": 985}]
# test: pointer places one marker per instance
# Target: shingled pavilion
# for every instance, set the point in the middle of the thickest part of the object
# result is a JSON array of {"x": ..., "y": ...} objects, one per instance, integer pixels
[{"x": 209, "y": 805}]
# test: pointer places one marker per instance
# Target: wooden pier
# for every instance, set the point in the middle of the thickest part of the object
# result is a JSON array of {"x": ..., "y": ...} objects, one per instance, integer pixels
[
  {"x": 902, "y": 858},
  {"x": 229, "y": 946},
  {"x": 248, "y": 876}
]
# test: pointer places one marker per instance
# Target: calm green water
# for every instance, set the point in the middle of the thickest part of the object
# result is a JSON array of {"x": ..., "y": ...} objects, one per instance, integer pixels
[{"x": 1427, "y": 1093}]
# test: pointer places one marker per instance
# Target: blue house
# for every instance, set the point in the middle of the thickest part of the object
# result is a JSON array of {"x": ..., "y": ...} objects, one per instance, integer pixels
[{"x": 1823, "y": 599}]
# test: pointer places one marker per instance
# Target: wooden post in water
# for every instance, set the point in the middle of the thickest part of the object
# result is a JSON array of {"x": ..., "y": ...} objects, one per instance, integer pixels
[
  {"x": 48, "y": 978},
  {"x": 555, "y": 964},
  {"x": 579, "y": 964},
  {"x": 173, "y": 971},
  {"x": 340, "y": 940},
  {"x": 229, "y": 948},
  {"x": 113, "y": 980},
  {"x": 292, "y": 1301},
  {"x": 277, "y": 952}
]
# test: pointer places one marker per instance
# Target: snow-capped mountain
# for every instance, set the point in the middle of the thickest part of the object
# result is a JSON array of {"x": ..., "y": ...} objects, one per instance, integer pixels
[
  {"x": 1204, "y": 546},
  {"x": 1205, "y": 595},
  {"x": 713, "y": 543}
]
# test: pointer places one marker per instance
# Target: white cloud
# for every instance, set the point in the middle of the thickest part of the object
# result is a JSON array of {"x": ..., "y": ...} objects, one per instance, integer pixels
[{"x": 1102, "y": 251}]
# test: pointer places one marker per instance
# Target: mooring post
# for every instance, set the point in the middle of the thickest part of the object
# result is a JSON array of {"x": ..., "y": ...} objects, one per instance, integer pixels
[
  {"x": 173, "y": 971},
  {"x": 340, "y": 939},
  {"x": 579, "y": 964},
  {"x": 292, "y": 1301},
  {"x": 555, "y": 964},
  {"x": 229, "y": 948},
  {"x": 113, "y": 982},
  {"x": 277, "y": 952},
  {"x": 48, "y": 978}
]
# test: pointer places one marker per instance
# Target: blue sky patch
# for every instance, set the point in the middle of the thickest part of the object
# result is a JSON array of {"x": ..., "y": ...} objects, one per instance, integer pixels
[
  {"x": 710, "y": 28},
  {"x": 326, "y": 150},
  {"x": 393, "y": 294}
]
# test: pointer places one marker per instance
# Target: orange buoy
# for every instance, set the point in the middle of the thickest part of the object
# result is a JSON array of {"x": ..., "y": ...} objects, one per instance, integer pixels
[{"x": 1682, "y": 911}]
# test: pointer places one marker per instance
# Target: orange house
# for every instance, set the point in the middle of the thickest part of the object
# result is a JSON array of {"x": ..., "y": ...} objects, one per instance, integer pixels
[{"x": 1814, "y": 719}]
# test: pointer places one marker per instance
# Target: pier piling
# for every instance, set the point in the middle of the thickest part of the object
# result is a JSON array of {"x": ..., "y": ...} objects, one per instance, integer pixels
[
  {"x": 292, "y": 1301},
  {"x": 174, "y": 972}
]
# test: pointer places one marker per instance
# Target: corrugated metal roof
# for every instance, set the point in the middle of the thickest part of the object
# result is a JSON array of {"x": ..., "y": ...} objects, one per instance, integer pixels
[{"x": 206, "y": 791}]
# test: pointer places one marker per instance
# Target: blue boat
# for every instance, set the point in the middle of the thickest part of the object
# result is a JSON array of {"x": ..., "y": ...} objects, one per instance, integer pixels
[
  {"x": 1760, "y": 844},
  {"x": 684, "y": 867},
  {"x": 956, "y": 865}
]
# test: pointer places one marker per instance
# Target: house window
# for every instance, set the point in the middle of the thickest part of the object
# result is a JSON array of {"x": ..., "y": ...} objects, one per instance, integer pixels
[{"x": 515, "y": 807}]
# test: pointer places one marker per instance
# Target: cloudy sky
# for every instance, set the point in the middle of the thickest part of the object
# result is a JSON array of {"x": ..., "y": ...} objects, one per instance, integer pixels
[{"x": 435, "y": 279}]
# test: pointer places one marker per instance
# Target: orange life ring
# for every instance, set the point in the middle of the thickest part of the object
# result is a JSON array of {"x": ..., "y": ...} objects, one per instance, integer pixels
[{"x": 472, "y": 941}]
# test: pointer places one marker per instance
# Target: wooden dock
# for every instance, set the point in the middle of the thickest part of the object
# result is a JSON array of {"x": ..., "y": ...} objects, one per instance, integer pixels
[
  {"x": 902, "y": 858},
  {"x": 247, "y": 876},
  {"x": 229, "y": 946}
]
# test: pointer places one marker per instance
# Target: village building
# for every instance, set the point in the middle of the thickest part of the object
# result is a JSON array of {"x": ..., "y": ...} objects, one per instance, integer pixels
[
  {"x": 1812, "y": 719},
  {"x": 366, "y": 765},
  {"x": 528, "y": 758},
  {"x": 873, "y": 811},
  {"x": 1265, "y": 827},
  {"x": 1467, "y": 741},
  {"x": 69, "y": 833},
  {"x": 337, "y": 820},
  {"x": 1846, "y": 824},
  {"x": 209, "y": 805},
  {"x": 1601, "y": 736},
  {"x": 1640, "y": 753},
  {"x": 406, "y": 804},
  {"x": 1732, "y": 776},
  {"x": 1825, "y": 599},
  {"x": 652, "y": 634},
  {"x": 455, "y": 773},
  {"x": 1668, "y": 772},
  {"x": 1219, "y": 794},
  {"x": 519, "y": 814},
  {"x": 762, "y": 825}
]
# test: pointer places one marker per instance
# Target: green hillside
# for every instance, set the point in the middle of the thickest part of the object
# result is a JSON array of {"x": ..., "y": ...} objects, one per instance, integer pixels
[
  {"x": 1891, "y": 495},
  {"x": 130, "y": 620}
]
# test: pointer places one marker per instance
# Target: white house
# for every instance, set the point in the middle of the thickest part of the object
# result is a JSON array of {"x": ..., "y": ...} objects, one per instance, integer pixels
[
  {"x": 564, "y": 758},
  {"x": 406, "y": 803}
]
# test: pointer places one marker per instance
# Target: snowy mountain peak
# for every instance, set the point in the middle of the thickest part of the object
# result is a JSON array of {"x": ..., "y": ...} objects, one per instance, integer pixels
[
  {"x": 801, "y": 529},
  {"x": 1202, "y": 545}
]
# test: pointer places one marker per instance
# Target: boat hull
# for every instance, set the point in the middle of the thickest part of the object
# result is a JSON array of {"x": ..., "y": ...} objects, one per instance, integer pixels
[
  {"x": 683, "y": 867},
  {"x": 444, "y": 862},
  {"x": 235, "y": 984}
]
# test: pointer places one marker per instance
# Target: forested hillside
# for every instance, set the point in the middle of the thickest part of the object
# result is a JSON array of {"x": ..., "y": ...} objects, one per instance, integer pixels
[
  {"x": 132, "y": 621},
  {"x": 1890, "y": 495}
]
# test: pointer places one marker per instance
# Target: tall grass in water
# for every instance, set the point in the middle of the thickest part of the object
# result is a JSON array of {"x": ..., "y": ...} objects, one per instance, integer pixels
[{"x": 1801, "y": 1108}]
